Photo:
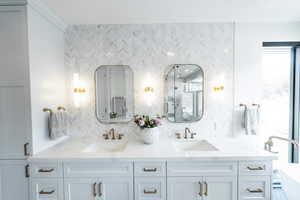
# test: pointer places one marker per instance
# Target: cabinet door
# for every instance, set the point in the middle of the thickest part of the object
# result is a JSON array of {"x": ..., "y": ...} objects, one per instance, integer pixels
[
  {"x": 80, "y": 188},
  {"x": 189, "y": 188},
  {"x": 15, "y": 116},
  {"x": 216, "y": 188},
  {"x": 116, "y": 188},
  {"x": 13, "y": 183}
]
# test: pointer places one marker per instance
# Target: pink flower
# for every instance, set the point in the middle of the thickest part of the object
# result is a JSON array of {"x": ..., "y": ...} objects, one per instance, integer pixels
[
  {"x": 141, "y": 122},
  {"x": 157, "y": 121}
]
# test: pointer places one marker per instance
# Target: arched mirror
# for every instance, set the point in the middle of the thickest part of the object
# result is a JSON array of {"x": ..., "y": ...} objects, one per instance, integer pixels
[
  {"x": 184, "y": 93},
  {"x": 114, "y": 93}
]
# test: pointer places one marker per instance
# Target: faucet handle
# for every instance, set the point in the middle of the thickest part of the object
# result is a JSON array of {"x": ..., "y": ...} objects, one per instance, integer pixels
[
  {"x": 106, "y": 137},
  {"x": 120, "y": 136},
  {"x": 178, "y": 135},
  {"x": 192, "y": 135}
]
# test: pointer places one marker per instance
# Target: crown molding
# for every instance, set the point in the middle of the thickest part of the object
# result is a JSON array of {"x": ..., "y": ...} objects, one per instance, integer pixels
[{"x": 45, "y": 12}]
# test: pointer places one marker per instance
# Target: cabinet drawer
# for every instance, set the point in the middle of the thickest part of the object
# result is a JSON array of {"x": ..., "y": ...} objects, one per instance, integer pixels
[
  {"x": 201, "y": 168},
  {"x": 255, "y": 188},
  {"x": 150, "y": 169},
  {"x": 46, "y": 189},
  {"x": 153, "y": 188},
  {"x": 249, "y": 168},
  {"x": 46, "y": 170},
  {"x": 97, "y": 169}
]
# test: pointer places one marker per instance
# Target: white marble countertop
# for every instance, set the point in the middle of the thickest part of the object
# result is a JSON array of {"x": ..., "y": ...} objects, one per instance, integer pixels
[{"x": 77, "y": 149}]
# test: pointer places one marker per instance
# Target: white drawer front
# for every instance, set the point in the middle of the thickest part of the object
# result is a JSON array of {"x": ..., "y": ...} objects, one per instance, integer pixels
[
  {"x": 97, "y": 169},
  {"x": 153, "y": 188},
  {"x": 46, "y": 170},
  {"x": 150, "y": 169},
  {"x": 249, "y": 168},
  {"x": 255, "y": 188},
  {"x": 46, "y": 189},
  {"x": 201, "y": 168}
]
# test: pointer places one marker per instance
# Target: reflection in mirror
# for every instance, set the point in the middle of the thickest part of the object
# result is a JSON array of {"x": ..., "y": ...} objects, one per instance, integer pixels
[
  {"x": 184, "y": 95},
  {"x": 114, "y": 94}
]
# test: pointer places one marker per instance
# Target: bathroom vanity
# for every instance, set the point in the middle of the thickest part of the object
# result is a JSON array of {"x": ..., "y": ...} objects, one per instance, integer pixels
[{"x": 164, "y": 171}]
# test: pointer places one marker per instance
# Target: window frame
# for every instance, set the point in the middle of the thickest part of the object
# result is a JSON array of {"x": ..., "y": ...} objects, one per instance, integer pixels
[{"x": 294, "y": 95}]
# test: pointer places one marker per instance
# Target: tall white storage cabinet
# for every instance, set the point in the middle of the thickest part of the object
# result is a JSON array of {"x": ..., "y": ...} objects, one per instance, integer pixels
[{"x": 31, "y": 39}]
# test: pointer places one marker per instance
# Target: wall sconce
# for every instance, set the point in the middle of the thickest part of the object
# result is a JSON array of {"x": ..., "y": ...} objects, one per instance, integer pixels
[
  {"x": 149, "y": 95},
  {"x": 78, "y": 90},
  {"x": 218, "y": 88},
  {"x": 148, "y": 89}
]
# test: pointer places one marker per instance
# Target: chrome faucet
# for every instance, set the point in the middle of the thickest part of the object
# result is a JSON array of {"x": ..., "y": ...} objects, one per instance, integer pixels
[{"x": 269, "y": 144}]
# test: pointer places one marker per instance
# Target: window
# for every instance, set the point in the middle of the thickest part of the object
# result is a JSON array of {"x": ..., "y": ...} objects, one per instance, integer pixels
[{"x": 281, "y": 95}]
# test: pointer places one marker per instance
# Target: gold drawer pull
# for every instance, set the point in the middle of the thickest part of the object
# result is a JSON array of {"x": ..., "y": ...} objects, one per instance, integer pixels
[
  {"x": 255, "y": 168},
  {"x": 255, "y": 191},
  {"x": 201, "y": 189},
  {"x": 46, "y": 170},
  {"x": 100, "y": 189},
  {"x": 46, "y": 193},
  {"x": 206, "y": 189},
  {"x": 150, "y": 191},
  {"x": 94, "y": 189},
  {"x": 150, "y": 169}
]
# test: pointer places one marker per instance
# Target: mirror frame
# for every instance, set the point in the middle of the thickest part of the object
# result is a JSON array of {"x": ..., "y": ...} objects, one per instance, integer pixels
[
  {"x": 133, "y": 101},
  {"x": 202, "y": 98}
]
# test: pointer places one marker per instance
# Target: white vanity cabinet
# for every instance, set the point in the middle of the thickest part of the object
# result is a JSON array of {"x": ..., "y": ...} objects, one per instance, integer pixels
[
  {"x": 105, "y": 180},
  {"x": 255, "y": 180},
  {"x": 151, "y": 180},
  {"x": 202, "y": 180},
  {"x": 110, "y": 188}
]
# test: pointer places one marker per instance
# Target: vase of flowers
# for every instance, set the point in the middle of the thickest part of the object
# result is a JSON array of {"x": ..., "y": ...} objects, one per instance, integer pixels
[{"x": 149, "y": 132}]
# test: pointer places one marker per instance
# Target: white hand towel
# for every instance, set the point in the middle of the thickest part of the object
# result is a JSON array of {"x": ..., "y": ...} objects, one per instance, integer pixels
[
  {"x": 251, "y": 119},
  {"x": 58, "y": 124}
]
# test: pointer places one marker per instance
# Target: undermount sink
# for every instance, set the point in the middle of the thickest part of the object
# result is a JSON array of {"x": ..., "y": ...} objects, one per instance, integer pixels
[
  {"x": 107, "y": 146},
  {"x": 194, "y": 146}
]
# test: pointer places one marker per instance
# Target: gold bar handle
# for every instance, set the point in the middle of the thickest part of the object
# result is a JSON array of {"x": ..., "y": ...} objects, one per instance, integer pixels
[
  {"x": 46, "y": 170},
  {"x": 255, "y": 168},
  {"x": 46, "y": 193},
  {"x": 150, "y": 191},
  {"x": 255, "y": 191},
  {"x": 201, "y": 189},
  {"x": 150, "y": 169},
  {"x": 206, "y": 189},
  {"x": 94, "y": 190},
  {"x": 100, "y": 189}
]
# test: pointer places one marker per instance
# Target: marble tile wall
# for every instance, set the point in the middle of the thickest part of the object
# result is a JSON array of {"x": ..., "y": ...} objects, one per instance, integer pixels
[{"x": 149, "y": 50}]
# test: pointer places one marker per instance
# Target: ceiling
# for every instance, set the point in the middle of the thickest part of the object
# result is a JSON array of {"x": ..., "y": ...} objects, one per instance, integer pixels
[{"x": 174, "y": 11}]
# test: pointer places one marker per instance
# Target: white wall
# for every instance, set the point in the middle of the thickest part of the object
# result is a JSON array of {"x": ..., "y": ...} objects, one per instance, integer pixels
[
  {"x": 47, "y": 73},
  {"x": 248, "y": 60},
  {"x": 145, "y": 49}
]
